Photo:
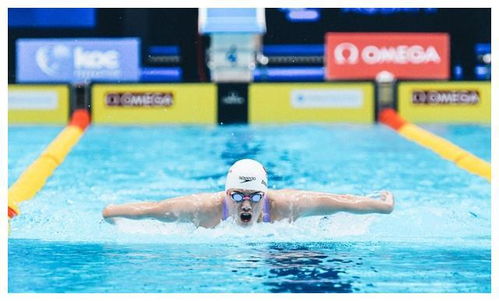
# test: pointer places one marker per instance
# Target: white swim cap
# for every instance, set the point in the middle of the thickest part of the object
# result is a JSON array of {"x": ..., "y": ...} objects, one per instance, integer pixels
[{"x": 247, "y": 174}]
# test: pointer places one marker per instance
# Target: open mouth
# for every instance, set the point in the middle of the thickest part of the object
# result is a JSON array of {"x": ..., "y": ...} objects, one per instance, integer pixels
[{"x": 246, "y": 217}]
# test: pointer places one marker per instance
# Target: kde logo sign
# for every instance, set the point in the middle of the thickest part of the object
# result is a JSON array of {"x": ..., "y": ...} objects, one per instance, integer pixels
[
  {"x": 51, "y": 60},
  {"x": 406, "y": 55},
  {"x": 80, "y": 60}
]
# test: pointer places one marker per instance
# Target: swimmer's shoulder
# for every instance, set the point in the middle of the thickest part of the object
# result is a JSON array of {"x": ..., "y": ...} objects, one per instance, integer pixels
[
  {"x": 202, "y": 202},
  {"x": 280, "y": 197},
  {"x": 210, "y": 209},
  {"x": 211, "y": 200},
  {"x": 279, "y": 201},
  {"x": 217, "y": 198}
]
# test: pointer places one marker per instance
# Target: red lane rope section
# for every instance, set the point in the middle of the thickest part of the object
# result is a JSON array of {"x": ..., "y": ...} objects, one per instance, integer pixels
[
  {"x": 80, "y": 118},
  {"x": 12, "y": 212},
  {"x": 391, "y": 119}
]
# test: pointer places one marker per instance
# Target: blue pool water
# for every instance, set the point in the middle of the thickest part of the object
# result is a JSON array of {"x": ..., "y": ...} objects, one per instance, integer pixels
[{"x": 436, "y": 240}]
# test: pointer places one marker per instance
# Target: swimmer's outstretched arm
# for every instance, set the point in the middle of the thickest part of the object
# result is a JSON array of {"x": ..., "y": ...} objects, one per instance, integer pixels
[
  {"x": 197, "y": 208},
  {"x": 310, "y": 203}
]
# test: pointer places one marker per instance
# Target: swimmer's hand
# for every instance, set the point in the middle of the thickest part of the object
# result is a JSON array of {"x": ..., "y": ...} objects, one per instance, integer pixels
[
  {"x": 106, "y": 214},
  {"x": 388, "y": 201}
]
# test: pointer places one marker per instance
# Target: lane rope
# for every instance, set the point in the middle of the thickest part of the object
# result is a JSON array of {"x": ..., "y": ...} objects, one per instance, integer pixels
[
  {"x": 439, "y": 145},
  {"x": 34, "y": 177}
]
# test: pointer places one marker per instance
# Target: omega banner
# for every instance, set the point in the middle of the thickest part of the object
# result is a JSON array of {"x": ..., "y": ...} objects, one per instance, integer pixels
[
  {"x": 405, "y": 55},
  {"x": 443, "y": 101},
  {"x": 154, "y": 103}
]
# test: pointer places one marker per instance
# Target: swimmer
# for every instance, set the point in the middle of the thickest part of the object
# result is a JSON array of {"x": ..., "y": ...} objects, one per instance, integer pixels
[{"x": 247, "y": 200}]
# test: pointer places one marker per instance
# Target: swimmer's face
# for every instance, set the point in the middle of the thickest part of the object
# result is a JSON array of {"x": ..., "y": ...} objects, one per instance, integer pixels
[{"x": 246, "y": 211}]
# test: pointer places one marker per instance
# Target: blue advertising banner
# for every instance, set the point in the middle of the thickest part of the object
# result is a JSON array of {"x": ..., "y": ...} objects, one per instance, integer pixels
[{"x": 78, "y": 60}]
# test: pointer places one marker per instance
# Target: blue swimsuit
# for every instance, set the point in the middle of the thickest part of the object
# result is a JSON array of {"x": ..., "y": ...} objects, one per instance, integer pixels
[{"x": 266, "y": 210}]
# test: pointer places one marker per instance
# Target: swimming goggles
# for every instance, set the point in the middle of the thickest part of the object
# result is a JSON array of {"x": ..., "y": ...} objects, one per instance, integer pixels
[{"x": 239, "y": 196}]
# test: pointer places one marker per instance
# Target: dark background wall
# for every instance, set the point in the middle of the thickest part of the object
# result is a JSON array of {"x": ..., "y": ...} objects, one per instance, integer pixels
[{"x": 178, "y": 26}]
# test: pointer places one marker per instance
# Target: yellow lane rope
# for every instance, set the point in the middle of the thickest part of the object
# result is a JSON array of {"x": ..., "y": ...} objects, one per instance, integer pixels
[
  {"x": 35, "y": 176},
  {"x": 444, "y": 148}
]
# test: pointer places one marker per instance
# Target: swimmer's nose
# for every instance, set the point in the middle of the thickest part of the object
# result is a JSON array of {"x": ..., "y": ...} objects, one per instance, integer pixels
[{"x": 246, "y": 206}]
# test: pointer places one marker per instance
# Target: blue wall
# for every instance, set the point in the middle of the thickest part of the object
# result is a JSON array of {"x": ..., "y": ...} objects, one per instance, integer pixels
[{"x": 50, "y": 17}]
